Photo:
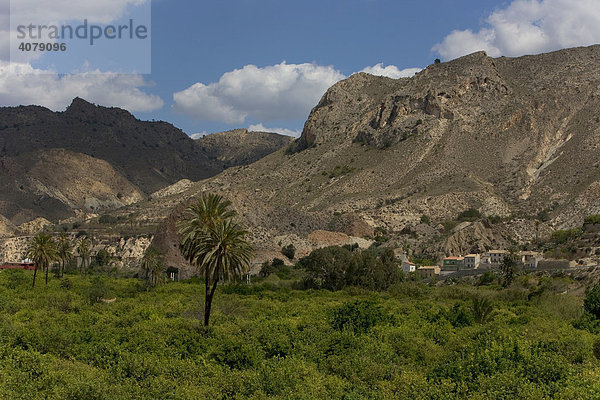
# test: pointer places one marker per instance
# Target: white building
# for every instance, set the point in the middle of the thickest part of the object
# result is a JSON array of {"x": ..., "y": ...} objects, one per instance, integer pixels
[
  {"x": 408, "y": 267},
  {"x": 496, "y": 256},
  {"x": 471, "y": 261}
]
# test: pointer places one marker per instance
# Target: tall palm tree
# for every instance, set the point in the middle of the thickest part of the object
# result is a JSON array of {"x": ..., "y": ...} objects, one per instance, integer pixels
[
  {"x": 83, "y": 249},
  {"x": 65, "y": 252},
  {"x": 214, "y": 243},
  {"x": 42, "y": 250}
]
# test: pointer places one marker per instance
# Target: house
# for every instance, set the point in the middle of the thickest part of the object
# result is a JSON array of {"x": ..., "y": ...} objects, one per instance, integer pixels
[
  {"x": 471, "y": 261},
  {"x": 408, "y": 267},
  {"x": 531, "y": 258},
  {"x": 496, "y": 256},
  {"x": 25, "y": 264},
  {"x": 453, "y": 263},
  {"x": 428, "y": 271}
]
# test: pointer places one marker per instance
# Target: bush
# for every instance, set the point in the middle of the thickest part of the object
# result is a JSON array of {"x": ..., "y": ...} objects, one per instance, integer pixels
[
  {"x": 592, "y": 219},
  {"x": 561, "y": 236},
  {"x": 102, "y": 258},
  {"x": 425, "y": 219},
  {"x": 358, "y": 316},
  {"x": 471, "y": 214},
  {"x": 108, "y": 219},
  {"x": 289, "y": 251},
  {"x": 591, "y": 303}
]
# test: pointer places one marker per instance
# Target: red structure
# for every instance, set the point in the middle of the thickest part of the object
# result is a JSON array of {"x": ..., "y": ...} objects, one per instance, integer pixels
[{"x": 22, "y": 265}]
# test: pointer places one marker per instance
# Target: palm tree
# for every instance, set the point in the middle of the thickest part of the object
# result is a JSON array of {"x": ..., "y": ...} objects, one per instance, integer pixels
[
  {"x": 65, "y": 252},
  {"x": 214, "y": 243},
  {"x": 42, "y": 250},
  {"x": 83, "y": 249},
  {"x": 153, "y": 265}
]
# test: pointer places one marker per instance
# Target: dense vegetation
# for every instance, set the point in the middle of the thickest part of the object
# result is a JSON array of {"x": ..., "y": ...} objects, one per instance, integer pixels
[{"x": 413, "y": 341}]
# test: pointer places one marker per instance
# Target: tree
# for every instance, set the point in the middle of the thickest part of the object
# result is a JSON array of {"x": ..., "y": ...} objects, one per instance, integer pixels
[
  {"x": 214, "y": 243},
  {"x": 42, "y": 251},
  {"x": 289, "y": 251},
  {"x": 508, "y": 268},
  {"x": 482, "y": 308},
  {"x": 65, "y": 252},
  {"x": 591, "y": 303},
  {"x": 153, "y": 265},
  {"x": 83, "y": 249}
]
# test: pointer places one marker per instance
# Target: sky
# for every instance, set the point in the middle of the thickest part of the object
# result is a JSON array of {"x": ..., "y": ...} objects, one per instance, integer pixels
[{"x": 263, "y": 64}]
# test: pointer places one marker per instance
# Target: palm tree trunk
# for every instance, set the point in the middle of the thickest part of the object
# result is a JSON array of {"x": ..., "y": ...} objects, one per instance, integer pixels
[
  {"x": 34, "y": 274},
  {"x": 210, "y": 292},
  {"x": 47, "y": 268}
]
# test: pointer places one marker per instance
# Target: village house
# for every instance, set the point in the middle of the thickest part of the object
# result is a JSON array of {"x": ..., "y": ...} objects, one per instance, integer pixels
[
  {"x": 408, "y": 267},
  {"x": 471, "y": 261},
  {"x": 531, "y": 258},
  {"x": 496, "y": 256},
  {"x": 428, "y": 271},
  {"x": 453, "y": 263}
]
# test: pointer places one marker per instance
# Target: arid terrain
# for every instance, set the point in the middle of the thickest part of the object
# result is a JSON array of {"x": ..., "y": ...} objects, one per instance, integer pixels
[{"x": 517, "y": 139}]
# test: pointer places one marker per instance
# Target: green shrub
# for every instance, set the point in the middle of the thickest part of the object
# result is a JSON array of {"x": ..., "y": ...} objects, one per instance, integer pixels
[
  {"x": 591, "y": 303},
  {"x": 563, "y": 235},
  {"x": 358, "y": 316},
  {"x": 472, "y": 214},
  {"x": 592, "y": 219},
  {"x": 289, "y": 251}
]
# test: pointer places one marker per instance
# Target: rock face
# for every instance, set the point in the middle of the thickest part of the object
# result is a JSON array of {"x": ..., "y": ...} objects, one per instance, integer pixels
[
  {"x": 506, "y": 136},
  {"x": 88, "y": 157},
  {"x": 241, "y": 147}
]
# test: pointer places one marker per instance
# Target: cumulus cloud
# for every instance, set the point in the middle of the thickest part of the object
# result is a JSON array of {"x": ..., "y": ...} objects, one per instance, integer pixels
[
  {"x": 391, "y": 71},
  {"x": 528, "y": 27},
  {"x": 281, "y": 131},
  {"x": 21, "y": 84},
  {"x": 275, "y": 92},
  {"x": 40, "y": 11}
]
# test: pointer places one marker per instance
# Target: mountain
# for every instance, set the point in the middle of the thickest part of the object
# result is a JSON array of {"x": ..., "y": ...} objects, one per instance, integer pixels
[
  {"x": 515, "y": 139},
  {"x": 88, "y": 157},
  {"x": 240, "y": 147}
]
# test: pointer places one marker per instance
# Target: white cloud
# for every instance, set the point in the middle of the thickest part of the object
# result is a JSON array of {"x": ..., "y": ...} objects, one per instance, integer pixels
[
  {"x": 48, "y": 11},
  {"x": 281, "y": 131},
  {"x": 198, "y": 135},
  {"x": 528, "y": 27},
  {"x": 391, "y": 71},
  {"x": 275, "y": 92},
  {"x": 21, "y": 84}
]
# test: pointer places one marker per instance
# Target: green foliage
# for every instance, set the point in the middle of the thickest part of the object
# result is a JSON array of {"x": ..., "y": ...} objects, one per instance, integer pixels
[
  {"x": 508, "y": 269},
  {"x": 591, "y": 303},
  {"x": 487, "y": 278},
  {"x": 563, "y": 235},
  {"x": 425, "y": 219},
  {"x": 413, "y": 341},
  {"x": 289, "y": 251},
  {"x": 339, "y": 170},
  {"x": 358, "y": 316},
  {"x": 335, "y": 268},
  {"x": 449, "y": 225},
  {"x": 102, "y": 258},
  {"x": 592, "y": 219},
  {"x": 472, "y": 214},
  {"x": 482, "y": 309}
]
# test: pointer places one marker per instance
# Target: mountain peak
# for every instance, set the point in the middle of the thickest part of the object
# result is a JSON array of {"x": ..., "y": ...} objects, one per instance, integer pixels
[{"x": 79, "y": 105}]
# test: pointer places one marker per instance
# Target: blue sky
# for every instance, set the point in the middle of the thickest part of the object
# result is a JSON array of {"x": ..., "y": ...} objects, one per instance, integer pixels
[{"x": 219, "y": 65}]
